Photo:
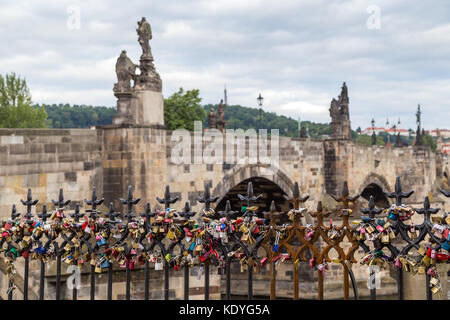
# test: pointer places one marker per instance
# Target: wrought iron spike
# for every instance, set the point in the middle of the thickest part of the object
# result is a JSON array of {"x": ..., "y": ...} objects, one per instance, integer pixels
[
  {"x": 250, "y": 195},
  {"x": 76, "y": 215},
  {"x": 296, "y": 199},
  {"x": 14, "y": 213},
  {"x": 427, "y": 210},
  {"x": 94, "y": 202},
  {"x": 61, "y": 203},
  {"x": 296, "y": 190},
  {"x": 112, "y": 214},
  {"x": 130, "y": 202},
  {"x": 398, "y": 194},
  {"x": 207, "y": 199},
  {"x": 319, "y": 206},
  {"x": 187, "y": 213},
  {"x": 167, "y": 199},
  {"x": 227, "y": 213},
  {"x": 44, "y": 215},
  {"x": 345, "y": 199},
  {"x": 371, "y": 211},
  {"x": 345, "y": 192},
  {"x": 29, "y": 203}
]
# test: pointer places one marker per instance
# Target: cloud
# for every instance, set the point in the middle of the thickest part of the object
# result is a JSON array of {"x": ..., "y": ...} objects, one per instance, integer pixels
[{"x": 295, "y": 53}]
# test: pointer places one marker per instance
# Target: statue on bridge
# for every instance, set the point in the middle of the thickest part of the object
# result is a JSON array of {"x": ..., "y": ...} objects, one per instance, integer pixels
[
  {"x": 145, "y": 34},
  {"x": 340, "y": 118},
  {"x": 125, "y": 71}
]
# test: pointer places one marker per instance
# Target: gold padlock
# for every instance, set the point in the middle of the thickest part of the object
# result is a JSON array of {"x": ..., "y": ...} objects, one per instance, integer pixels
[
  {"x": 421, "y": 270},
  {"x": 426, "y": 260},
  {"x": 421, "y": 251},
  {"x": 385, "y": 238},
  {"x": 434, "y": 281},
  {"x": 435, "y": 289},
  {"x": 98, "y": 269},
  {"x": 392, "y": 235},
  {"x": 170, "y": 235},
  {"x": 370, "y": 229}
]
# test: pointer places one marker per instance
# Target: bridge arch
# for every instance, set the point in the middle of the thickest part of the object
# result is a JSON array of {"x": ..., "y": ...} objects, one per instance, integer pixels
[
  {"x": 273, "y": 183},
  {"x": 374, "y": 185}
]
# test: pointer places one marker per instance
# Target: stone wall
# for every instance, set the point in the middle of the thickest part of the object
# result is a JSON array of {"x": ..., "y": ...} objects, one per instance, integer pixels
[{"x": 47, "y": 160}]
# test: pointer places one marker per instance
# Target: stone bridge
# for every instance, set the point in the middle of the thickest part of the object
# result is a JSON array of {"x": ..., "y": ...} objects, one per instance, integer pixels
[{"x": 111, "y": 158}]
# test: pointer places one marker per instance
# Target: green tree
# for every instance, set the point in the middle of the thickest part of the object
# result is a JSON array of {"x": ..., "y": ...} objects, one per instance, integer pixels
[
  {"x": 183, "y": 108},
  {"x": 16, "y": 110},
  {"x": 430, "y": 141}
]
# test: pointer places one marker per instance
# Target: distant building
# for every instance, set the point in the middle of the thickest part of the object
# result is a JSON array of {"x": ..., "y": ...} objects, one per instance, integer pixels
[
  {"x": 445, "y": 133},
  {"x": 369, "y": 130}
]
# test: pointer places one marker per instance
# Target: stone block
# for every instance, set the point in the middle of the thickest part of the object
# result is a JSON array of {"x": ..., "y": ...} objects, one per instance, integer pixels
[{"x": 49, "y": 148}]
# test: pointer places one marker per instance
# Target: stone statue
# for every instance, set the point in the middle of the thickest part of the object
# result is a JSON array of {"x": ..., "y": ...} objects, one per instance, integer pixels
[
  {"x": 125, "y": 71},
  {"x": 212, "y": 119},
  {"x": 220, "y": 124},
  {"x": 334, "y": 110},
  {"x": 340, "y": 118},
  {"x": 145, "y": 34},
  {"x": 344, "y": 93}
]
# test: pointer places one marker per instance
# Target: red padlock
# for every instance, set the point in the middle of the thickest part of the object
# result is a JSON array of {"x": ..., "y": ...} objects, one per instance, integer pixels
[
  {"x": 274, "y": 259},
  {"x": 312, "y": 263},
  {"x": 263, "y": 261}
]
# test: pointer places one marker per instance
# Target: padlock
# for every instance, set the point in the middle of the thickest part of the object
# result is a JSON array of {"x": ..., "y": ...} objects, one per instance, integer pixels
[
  {"x": 312, "y": 263},
  {"x": 398, "y": 263},
  {"x": 434, "y": 281},
  {"x": 263, "y": 261},
  {"x": 421, "y": 270},
  {"x": 426, "y": 260},
  {"x": 422, "y": 251},
  {"x": 385, "y": 238},
  {"x": 435, "y": 289},
  {"x": 159, "y": 265},
  {"x": 370, "y": 229},
  {"x": 433, "y": 254}
]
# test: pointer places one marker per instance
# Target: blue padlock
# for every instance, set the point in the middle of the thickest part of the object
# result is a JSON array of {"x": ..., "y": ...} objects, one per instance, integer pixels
[
  {"x": 40, "y": 250},
  {"x": 446, "y": 245},
  {"x": 275, "y": 247},
  {"x": 105, "y": 264},
  {"x": 191, "y": 248},
  {"x": 392, "y": 216},
  {"x": 380, "y": 222},
  {"x": 366, "y": 219},
  {"x": 101, "y": 242}
]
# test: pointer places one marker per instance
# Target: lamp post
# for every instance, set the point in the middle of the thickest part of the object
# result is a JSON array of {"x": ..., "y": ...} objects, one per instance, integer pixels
[{"x": 260, "y": 102}]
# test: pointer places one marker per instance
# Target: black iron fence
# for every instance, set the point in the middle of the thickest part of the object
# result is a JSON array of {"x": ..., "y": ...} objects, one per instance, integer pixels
[{"x": 173, "y": 239}]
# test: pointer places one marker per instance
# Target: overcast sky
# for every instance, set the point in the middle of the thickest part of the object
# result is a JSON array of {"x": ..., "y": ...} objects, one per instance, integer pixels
[{"x": 296, "y": 53}]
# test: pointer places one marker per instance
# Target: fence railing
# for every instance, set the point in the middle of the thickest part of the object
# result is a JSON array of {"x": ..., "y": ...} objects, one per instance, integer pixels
[{"x": 172, "y": 239}]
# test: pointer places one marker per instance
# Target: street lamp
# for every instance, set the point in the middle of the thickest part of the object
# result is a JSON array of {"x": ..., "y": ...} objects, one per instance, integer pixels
[{"x": 260, "y": 102}]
